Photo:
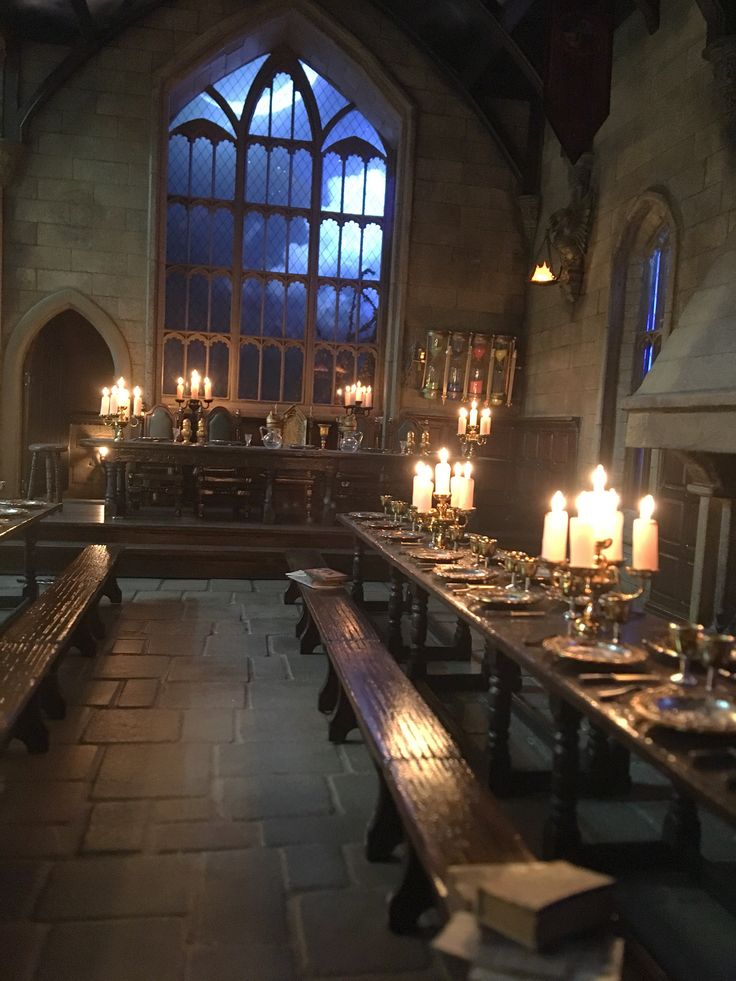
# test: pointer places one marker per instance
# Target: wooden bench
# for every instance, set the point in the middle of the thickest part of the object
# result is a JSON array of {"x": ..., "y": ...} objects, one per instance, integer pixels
[
  {"x": 428, "y": 796},
  {"x": 30, "y": 645}
]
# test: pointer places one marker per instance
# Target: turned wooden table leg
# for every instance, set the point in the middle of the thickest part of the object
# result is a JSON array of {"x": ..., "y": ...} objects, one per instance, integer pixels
[
  {"x": 681, "y": 828},
  {"x": 356, "y": 586},
  {"x": 395, "y": 613},
  {"x": 269, "y": 515},
  {"x": 462, "y": 641},
  {"x": 502, "y": 677},
  {"x": 30, "y": 587},
  {"x": 417, "y": 667},
  {"x": 561, "y": 834},
  {"x": 606, "y": 764}
]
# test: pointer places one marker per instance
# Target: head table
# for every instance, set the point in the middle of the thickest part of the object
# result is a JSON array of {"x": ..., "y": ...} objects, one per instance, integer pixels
[{"x": 514, "y": 643}]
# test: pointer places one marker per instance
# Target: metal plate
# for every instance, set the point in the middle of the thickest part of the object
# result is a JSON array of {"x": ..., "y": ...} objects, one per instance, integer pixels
[
  {"x": 366, "y": 515},
  {"x": 432, "y": 555},
  {"x": 500, "y": 596},
  {"x": 594, "y": 652},
  {"x": 686, "y": 712},
  {"x": 28, "y": 505},
  {"x": 11, "y": 512},
  {"x": 463, "y": 573},
  {"x": 401, "y": 536}
]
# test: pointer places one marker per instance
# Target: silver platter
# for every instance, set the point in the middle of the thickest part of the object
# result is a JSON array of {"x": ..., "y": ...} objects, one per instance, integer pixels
[
  {"x": 599, "y": 652},
  {"x": 12, "y": 512},
  {"x": 463, "y": 573},
  {"x": 686, "y": 712},
  {"x": 366, "y": 515},
  {"x": 433, "y": 555},
  {"x": 501, "y": 596}
]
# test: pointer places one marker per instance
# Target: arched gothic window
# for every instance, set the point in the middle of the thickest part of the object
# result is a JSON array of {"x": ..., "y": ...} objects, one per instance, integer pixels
[{"x": 276, "y": 238}]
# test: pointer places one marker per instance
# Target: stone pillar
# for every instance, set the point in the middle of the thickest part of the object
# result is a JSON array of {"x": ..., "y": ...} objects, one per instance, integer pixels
[
  {"x": 11, "y": 153},
  {"x": 711, "y": 554},
  {"x": 722, "y": 56}
]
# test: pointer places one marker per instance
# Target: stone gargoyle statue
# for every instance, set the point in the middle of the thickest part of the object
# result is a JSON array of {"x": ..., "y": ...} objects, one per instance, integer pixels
[{"x": 569, "y": 228}]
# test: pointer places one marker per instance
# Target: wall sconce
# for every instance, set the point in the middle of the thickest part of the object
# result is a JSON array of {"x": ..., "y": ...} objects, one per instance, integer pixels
[{"x": 543, "y": 273}]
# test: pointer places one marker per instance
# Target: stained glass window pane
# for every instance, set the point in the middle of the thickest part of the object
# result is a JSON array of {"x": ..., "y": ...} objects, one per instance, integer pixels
[
  {"x": 276, "y": 244},
  {"x": 323, "y": 377},
  {"x": 218, "y": 368},
  {"x": 356, "y": 125},
  {"x": 296, "y": 311},
  {"x": 354, "y": 186},
  {"x": 329, "y": 241},
  {"x": 372, "y": 246},
  {"x": 326, "y": 298},
  {"x": 225, "y": 170},
  {"x": 222, "y": 237},
  {"x": 278, "y": 176},
  {"x": 199, "y": 235},
  {"x": 178, "y": 179},
  {"x": 368, "y": 321},
  {"x": 271, "y": 373},
  {"x": 235, "y": 86},
  {"x": 256, "y": 174},
  {"x": 350, "y": 250},
  {"x": 220, "y": 305},
  {"x": 282, "y": 102},
  {"x": 177, "y": 228},
  {"x": 248, "y": 372},
  {"x": 199, "y": 296},
  {"x": 302, "y": 129},
  {"x": 301, "y": 179},
  {"x": 332, "y": 182},
  {"x": 201, "y": 177},
  {"x": 375, "y": 194},
  {"x": 259, "y": 123},
  {"x": 202, "y": 106},
  {"x": 347, "y": 314},
  {"x": 196, "y": 358},
  {"x": 273, "y": 309},
  {"x": 173, "y": 366},
  {"x": 293, "y": 372},
  {"x": 250, "y": 308},
  {"x": 254, "y": 231},
  {"x": 298, "y": 246},
  {"x": 329, "y": 100},
  {"x": 176, "y": 293}
]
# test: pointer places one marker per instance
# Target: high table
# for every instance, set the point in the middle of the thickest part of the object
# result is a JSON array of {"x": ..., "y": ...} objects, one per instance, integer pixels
[
  {"x": 514, "y": 644},
  {"x": 25, "y": 525},
  {"x": 324, "y": 469}
]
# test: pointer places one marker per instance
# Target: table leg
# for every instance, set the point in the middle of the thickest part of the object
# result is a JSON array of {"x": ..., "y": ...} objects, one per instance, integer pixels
[
  {"x": 309, "y": 491},
  {"x": 110, "y": 487},
  {"x": 417, "y": 666},
  {"x": 681, "y": 828},
  {"x": 327, "y": 507},
  {"x": 120, "y": 508},
  {"x": 561, "y": 834},
  {"x": 30, "y": 588},
  {"x": 385, "y": 830},
  {"x": 356, "y": 586},
  {"x": 607, "y": 765},
  {"x": 462, "y": 641},
  {"x": 502, "y": 676},
  {"x": 395, "y": 612}
]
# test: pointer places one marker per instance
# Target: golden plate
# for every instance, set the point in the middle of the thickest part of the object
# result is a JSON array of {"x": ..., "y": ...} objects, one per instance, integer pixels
[
  {"x": 463, "y": 573},
  {"x": 500, "y": 596},
  {"x": 594, "y": 651},
  {"x": 686, "y": 711},
  {"x": 433, "y": 555}
]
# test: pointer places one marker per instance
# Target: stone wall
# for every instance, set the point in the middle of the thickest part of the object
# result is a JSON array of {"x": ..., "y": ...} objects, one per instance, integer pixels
[
  {"x": 82, "y": 211},
  {"x": 665, "y": 132}
]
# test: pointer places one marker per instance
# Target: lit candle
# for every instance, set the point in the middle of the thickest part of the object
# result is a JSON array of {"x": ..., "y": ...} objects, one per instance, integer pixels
[
  {"x": 124, "y": 401},
  {"x": 339, "y": 396},
  {"x": 207, "y": 389},
  {"x": 582, "y": 544},
  {"x": 442, "y": 474},
  {"x": 554, "y": 536},
  {"x": 114, "y": 400},
  {"x": 473, "y": 414},
  {"x": 645, "y": 538},
  {"x": 422, "y": 489},
  {"x": 194, "y": 390},
  {"x": 485, "y": 422},
  {"x": 368, "y": 397},
  {"x": 462, "y": 422},
  {"x": 615, "y": 551},
  {"x": 359, "y": 394},
  {"x": 105, "y": 402},
  {"x": 180, "y": 389},
  {"x": 457, "y": 486},
  {"x": 468, "y": 488},
  {"x": 137, "y": 401}
]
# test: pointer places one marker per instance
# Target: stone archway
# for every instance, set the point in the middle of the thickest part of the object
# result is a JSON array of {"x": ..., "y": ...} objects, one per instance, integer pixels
[{"x": 16, "y": 352}]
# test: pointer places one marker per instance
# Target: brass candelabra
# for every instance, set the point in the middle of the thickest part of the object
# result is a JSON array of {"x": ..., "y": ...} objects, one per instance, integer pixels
[
  {"x": 192, "y": 410},
  {"x": 470, "y": 439}
]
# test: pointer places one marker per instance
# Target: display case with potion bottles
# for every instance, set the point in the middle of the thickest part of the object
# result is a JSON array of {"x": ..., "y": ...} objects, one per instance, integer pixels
[{"x": 434, "y": 365}]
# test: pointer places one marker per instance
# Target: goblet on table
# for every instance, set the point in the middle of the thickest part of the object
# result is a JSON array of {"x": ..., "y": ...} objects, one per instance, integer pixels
[
  {"x": 616, "y": 607},
  {"x": 385, "y": 502},
  {"x": 686, "y": 640},
  {"x": 715, "y": 652},
  {"x": 324, "y": 432}
]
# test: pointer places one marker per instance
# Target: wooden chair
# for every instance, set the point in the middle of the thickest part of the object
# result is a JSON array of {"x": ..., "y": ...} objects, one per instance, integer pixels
[
  {"x": 153, "y": 483},
  {"x": 231, "y": 486}
]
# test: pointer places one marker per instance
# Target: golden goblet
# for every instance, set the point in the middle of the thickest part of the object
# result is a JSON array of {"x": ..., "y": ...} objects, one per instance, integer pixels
[
  {"x": 686, "y": 640},
  {"x": 385, "y": 502},
  {"x": 616, "y": 607},
  {"x": 715, "y": 651}
]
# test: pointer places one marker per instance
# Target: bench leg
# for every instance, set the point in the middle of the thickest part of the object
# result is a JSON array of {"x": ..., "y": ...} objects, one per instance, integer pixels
[
  {"x": 30, "y": 728},
  {"x": 413, "y": 897},
  {"x": 607, "y": 765},
  {"x": 52, "y": 701},
  {"x": 292, "y": 593},
  {"x": 681, "y": 829},
  {"x": 502, "y": 673},
  {"x": 96, "y": 626},
  {"x": 356, "y": 586},
  {"x": 343, "y": 720},
  {"x": 330, "y": 691},
  {"x": 417, "y": 667},
  {"x": 83, "y": 639},
  {"x": 561, "y": 834},
  {"x": 385, "y": 830},
  {"x": 395, "y": 612},
  {"x": 310, "y": 639},
  {"x": 302, "y": 623},
  {"x": 113, "y": 591}
]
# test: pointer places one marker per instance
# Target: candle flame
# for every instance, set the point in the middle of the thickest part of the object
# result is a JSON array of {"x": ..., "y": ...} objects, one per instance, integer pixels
[
  {"x": 467, "y": 470},
  {"x": 646, "y": 507},
  {"x": 206, "y": 381},
  {"x": 600, "y": 479},
  {"x": 105, "y": 392},
  {"x": 444, "y": 455},
  {"x": 458, "y": 469},
  {"x": 419, "y": 469},
  {"x": 179, "y": 381},
  {"x": 543, "y": 274},
  {"x": 136, "y": 391},
  {"x": 103, "y": 451},
  {"x": 195, "y": 377},
  {"x": 474, "y": 404},
  {"x": 121, "y": 382},
  {"x": 463, "y": 413},
  {"x": 486, "y": 413},
  {"x": 558, "y": 501}
]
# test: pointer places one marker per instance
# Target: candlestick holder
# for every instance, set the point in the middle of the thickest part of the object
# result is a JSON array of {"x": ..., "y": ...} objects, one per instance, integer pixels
[
  {"x": 117, "y": 421},
  {"x": 425, "y": 446},
  {"x": 470, "y": 439},
  {"x": 442, "y": 517},
  {"x": 605, "y": 577},
  {"x": 194, "y": 409}
]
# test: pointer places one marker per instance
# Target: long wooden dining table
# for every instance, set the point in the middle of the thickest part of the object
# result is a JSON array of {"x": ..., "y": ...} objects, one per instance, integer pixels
[
  {"x": 23, "y": 523},
  {"x": 514, "y": 644}
]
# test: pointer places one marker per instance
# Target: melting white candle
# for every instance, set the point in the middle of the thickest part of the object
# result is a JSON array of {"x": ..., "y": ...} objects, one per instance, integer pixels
[
  {"x": 194, "y": 389},
  {"x": 422, "y": 488},
  {"x": 180, "y": 389},
  {"x": 105, "y": 402},
  {"x": 457, "y": 486},
  {"x": 114, "y": 400},
  {"x": 462, "y": 422},
  {"x": 554, "y": 536},
  {"x": 137, "y": 401},
  {"x": 485, "y": 422},
  {"x": 207, "y": 389},
  {"x": 645, "y": 538},
  {"x": 473, "y": 414},
  {"x": 469, "y": 488},
  {"x": 442, "y": 474}
]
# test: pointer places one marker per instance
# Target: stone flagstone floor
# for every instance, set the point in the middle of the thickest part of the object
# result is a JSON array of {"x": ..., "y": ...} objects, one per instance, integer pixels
[{"x": 191, "y": 822}]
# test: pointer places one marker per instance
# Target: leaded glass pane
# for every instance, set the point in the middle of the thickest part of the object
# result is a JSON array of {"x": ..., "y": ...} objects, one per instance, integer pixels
[
  {"x": 372, "y": 247},
  {"x": 354, "y": 185},
  {"x": 249, "y": 361},
  {"x": 176, "y": 294},
  {"x": 368, "y": 320},
  {"x": 201, "y": 174},
  {"x": 235, "y": 86},
  {"x": 345, "y": 368},
  {"x": 332, "y": 182},
  {"x": 326, "y": 298},
  {"x": 259, "y": 124},
  {"x": 301, "y": 179},
  {"x": 178, "y": 164},
  {"x": 329, "y": 243},
  {"x": 218, "y": 368},
  {"x": 273, "y": 309},
  {"x": 278, "y": 176},
  {"x": 199, "y": 236},
  {"x": 354, "y": 124},
  {"x": 256, "y": 174},
  {"x": 350, "y": 250},
  {"x": 367, "y": 368},
  {"x": 271, "y": 373},
  {"x": 202, "y": 106},
  {"x": 199, "y": 296},
  {"x": 293, "y": 372},
  {"x": 250, "y": 308},
  {"x": 302, "y": 129},
  {"x": 276, "y": 244},
  {"x": 298, "y": 246},
  {"x": 220, "y": 302},
  {"x": 222, "y": 237},
  {"x": 347, "y": 314},
  {"x": 254, "y": 233},
  {"x": 173, "y": 366},
  {"x": 196, "y": 358},
  {"x": 323, "y": 385},
  {"x": 329, "y": 100},
  {"x": 177, "y": 228},
  {"x": 375, "y": 195},
  {"x": 225, "y": 170},
  {"x": 296, "y": 311},
  {"x": 282, "y": 102}
]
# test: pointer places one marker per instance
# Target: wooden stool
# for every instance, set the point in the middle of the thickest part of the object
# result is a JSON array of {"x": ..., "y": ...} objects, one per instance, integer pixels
[{"x": 50, "y": 455}]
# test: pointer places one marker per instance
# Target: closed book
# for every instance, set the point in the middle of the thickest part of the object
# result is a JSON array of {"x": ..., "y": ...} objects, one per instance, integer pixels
[
  {"x": 320, "y": 579},
  {"x": 539, "y": 904}
]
